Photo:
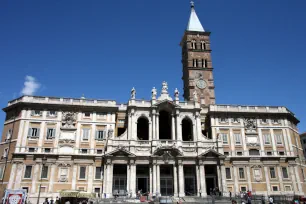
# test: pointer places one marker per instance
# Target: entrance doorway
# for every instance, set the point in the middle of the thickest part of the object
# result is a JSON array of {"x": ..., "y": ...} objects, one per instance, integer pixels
[
  {"x": 142, "y": 178},
  {"x": 190, "y": 180},
  {"x": 166, "y": 180},
  {"x": 119, "y": 180},
  {"x": 211, "y": 177}
]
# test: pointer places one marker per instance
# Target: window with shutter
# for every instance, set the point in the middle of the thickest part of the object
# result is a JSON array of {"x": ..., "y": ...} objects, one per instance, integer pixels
[
  {"x": 98, "y": 173},
  {"x": 267, "y": 139},
  {"x": 237, "y": 138},
  {"x": 285, "y": 172},
  {"x": 28, "y": 172},
  {"x": 224, "y": 138},
  {"x": 44, "y": 172},
  {"x": 85, "y": 134},
  {"x": 279, "y": 139},
  {"x": 100, "y": 134},
  {"x": 272, "y": 173},
  {"x": 9, "y": 134},
  {"x": 1, "y": 171},
  {"x": 228, "y": 173},
  {"x": 241, "y": 173},
  {"x": 50, "y": 133},
  {"x": 82, "y": 174}
]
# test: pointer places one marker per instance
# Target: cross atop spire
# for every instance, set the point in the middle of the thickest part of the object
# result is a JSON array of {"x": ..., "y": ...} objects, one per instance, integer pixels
[{"x": 194, "y": 23}]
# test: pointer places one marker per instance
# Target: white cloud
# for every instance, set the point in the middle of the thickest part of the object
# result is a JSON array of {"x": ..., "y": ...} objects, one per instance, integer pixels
[{"x": 30, "y": 86}]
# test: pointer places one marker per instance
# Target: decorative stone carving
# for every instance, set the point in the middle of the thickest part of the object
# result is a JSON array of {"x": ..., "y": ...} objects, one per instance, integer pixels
[
  {"x": 62, "y": 164},
  {"x": 164, "y": 92},
  {"x": 143, "y": 149},
  {"x": 133, "y": 93},
  {"x": 120, "y": 147},
  {"x": 154, "y": 93},
  {"x": 211, "y": 147},
  {"x": 164, "y": 88},
  {"x": 250, "y": 125},
  {"x": 66, "y": 142},
  {"x": 166, "y": 156},
  {"x": 257, "y": 172},
  {"x": 68, "y": 120},
  {"x": 63, "y": 178}
]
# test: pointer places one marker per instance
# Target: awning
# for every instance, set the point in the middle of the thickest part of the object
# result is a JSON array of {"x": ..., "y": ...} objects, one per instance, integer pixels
[{"x": 77, "y": 194}]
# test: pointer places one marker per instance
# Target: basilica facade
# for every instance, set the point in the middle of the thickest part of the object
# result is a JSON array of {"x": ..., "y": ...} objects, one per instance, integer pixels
[{"x": 165, "y": 145}]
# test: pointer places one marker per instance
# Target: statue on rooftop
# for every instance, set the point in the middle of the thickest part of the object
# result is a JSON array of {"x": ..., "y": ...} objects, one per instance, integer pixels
[
  {"x": 154, "y": 93},
  {"x": 133, "y": 93}
]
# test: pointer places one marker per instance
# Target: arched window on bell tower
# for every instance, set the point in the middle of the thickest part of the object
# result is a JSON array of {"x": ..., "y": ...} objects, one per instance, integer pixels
[
  {"x": 203, "y": 45},
  {"x": 193, "y": 44},
  {"x": 204, "y": 63},
  {"x": 195, "y": 63}
]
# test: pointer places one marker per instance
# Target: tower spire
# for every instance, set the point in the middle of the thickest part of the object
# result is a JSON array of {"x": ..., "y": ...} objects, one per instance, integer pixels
[{"x": 194, "y": 23}]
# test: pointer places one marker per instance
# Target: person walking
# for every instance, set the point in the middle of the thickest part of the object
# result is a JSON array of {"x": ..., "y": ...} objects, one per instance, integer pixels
[
  {"x": 270, "y": 200},
  {"x": 230, "y": 195}
]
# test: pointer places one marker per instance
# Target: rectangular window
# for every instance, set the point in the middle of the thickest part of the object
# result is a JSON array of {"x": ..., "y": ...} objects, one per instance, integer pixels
[
  {"x": 281, "y": 153},
  {"x": 98, "y": 173},
  {"x": 26, "y": 189},
  {"x": 87, "y": 114},
  {"x": 33, "y": 132},
  {"x": 272, "y": 173},
  {"x": 237, "y": 138},
  {"x": 274, "y": 188},
  {"x": 243, "y": 189},
  {"x": 85, "y": 134},
  {"x": 5, "y": 152},
  {"x": 82, "y": 174},
  {"x": 99, "y": 151},
  {"x": 267, "y": 138},
  {"x": 36, "y": 113},
  {"x": 228, "y": 173},
  {"x": 97, "y": 190},
  {"x": 9, "y": 134},
  {"x": 44, "y": 172},
  {"x": 50, "y": 133},
  {"x": 100, "y": 134},
  {"x": 1, "y": 171},
  {"x": 236, "y": 120},
  {"x": 84, "y": 151},
  {"x": 42, "y": 189},
  {"x": 31, "y": 149},
  {"x": 285, "y": 172},
  {"x": 303, "y": 173},
  {"x": 239, "y": 153},
  {"x": 278, "y": 138},
  {"x": 101, "y": 116},
  {"x": 47, "y": 150},
  {"x": 264, "y": 121},
  {"x": 226, "y": 153},
  {"x": 275, "y": 121},
  {"x": 269, "y": 153},
  {"x": 224, "y": 138},
  {"x": 222, "y": 120},
  {"x": 287, "y": 188},
  {"x": 52, "y": 113},
  {"x": 241, "y": 173},
  {"x": 28, "y": 172}
]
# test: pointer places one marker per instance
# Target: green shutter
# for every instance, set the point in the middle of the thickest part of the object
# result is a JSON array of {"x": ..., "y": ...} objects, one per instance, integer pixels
[{"x": 30, "y": 132}]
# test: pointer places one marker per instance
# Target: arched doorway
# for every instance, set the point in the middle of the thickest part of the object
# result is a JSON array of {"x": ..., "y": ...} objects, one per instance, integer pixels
[
  {"x": 164, "y": 125},
  {"x": 187, "y": 132},
  {"x": 142, "y": 129}
]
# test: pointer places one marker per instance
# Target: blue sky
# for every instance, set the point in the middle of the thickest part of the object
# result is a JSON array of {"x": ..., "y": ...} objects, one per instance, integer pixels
[{"x": 103, "y": 48}]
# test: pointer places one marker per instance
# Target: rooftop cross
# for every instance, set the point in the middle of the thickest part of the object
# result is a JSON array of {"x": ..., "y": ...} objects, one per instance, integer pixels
[{"x": 192, "y": 4}]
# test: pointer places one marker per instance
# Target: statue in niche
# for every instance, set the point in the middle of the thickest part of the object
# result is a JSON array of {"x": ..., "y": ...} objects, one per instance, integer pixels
[
  {"x": 154, "y": 93},
  {"x": 133, "y": 93},
  {"x": 68, "y": 119}
]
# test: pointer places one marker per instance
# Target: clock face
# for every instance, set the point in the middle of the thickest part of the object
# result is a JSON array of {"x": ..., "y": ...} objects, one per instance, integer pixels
[{"x": 201, "y": 84}]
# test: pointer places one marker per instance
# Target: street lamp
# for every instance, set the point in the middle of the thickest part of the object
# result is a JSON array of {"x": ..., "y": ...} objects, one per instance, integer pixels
[{"x": 43, "y": 161}]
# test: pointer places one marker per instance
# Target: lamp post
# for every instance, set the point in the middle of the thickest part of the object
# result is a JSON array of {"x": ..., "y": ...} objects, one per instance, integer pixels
[{"x": 43, "y": 161}]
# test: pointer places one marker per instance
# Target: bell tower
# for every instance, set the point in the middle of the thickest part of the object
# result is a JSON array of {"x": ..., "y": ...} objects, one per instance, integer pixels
[{"x": 196, "y": 60}]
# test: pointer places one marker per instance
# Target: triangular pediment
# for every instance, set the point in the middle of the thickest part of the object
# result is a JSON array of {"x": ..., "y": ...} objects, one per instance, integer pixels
[
  {"x": 120, "y": 152},
  {"x": 211, "y": 153}
]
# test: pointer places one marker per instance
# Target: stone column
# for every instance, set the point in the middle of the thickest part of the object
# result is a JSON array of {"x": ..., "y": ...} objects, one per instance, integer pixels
[
  {"x": 198, "y": 180},
  {"x": 175, "y": 180},
  {"x": 150, "y": 131},
  {"x": 20, "y": 135},
  {"x": 236, "y": 187},
  {"x": 12, "y": 176},
  {"x": 133, "y": 178},
  {"x": 157, "y": 127},
  {"x": 173, "y": 128},
  {"x": 245, "y": 150},
  {"x": 128, "y": 176},
  {"x": 280, "y": 177},
  {"x": 267, "y": 180},
  {"x": 51, "y": 181},
  {"x": 290, "y": 142},
  {"x": 104, "y": 191},
  {"x": 248, "y": 171},
  {"x": 109, "y": 184},
  {"x": 181, "y": 179},
  {"x": 291, "y": 168},
  {"x": 78, "y": 138},
  {"x": 92, "y": 139},
  {"x": 203, "y": 180},
  {"x": 273, "y": 142},
  {"x": 224, "y": 183},
  {"x": 35, "y": 176},
  {"x": 90, "y": 179},
  {"x": 232, "y": 153},
  {"x": 219, "y": 176},
  {"x": 199, "y": 128},
  {"x": 261, "y": 142},
  {"x": 154, "y": 179},
  {"x": 151, "y": 180},
  {"x": 158, "y": 179},
  {"x": 74, "y": 176},
  {"x": 24, "y": 137},
  {"x": 129, "y": 126},
  {"x": 298, "y": 181},
  {"x": 18, "y": 176},
  {"x": 285, "y": 136},
  {"x": 178, "y": 128},
  {"x": 154, "y": 125}
]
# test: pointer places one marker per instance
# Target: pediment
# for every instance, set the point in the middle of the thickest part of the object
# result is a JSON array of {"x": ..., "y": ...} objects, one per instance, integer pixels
[
  {"x": 166, "y": 103},
  {"x": 120, "y": 152},
  {"x": 211, "y": 153},
  {"x": 173, "y": 150}
]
